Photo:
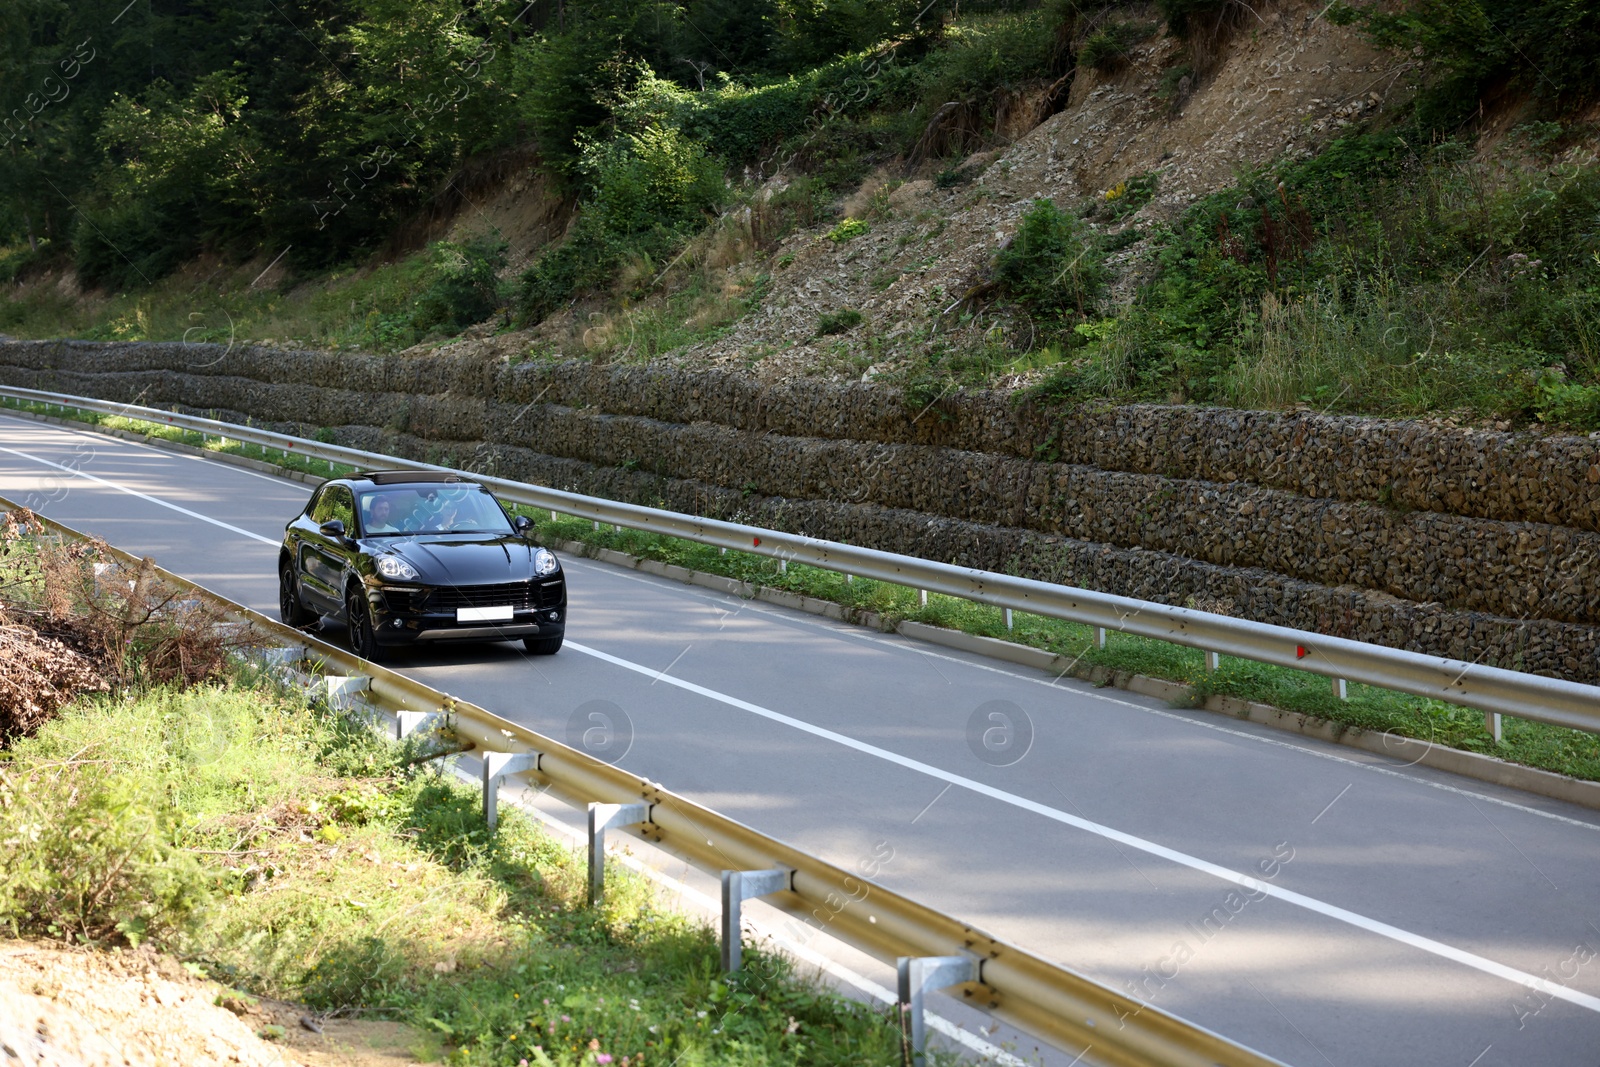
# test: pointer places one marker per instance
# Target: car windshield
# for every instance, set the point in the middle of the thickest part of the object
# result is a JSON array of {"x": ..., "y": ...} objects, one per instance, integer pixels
[{"x": 447, "y": 509}]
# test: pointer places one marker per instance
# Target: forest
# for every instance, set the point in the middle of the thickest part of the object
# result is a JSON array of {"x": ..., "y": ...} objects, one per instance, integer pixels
[{"x": 315, "y": 133}]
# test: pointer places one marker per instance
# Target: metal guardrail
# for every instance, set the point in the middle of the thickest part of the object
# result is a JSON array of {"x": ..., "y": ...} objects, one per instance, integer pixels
[
  {"x": 1492, "y": 690},
  {"x": 932, "y": 950}
]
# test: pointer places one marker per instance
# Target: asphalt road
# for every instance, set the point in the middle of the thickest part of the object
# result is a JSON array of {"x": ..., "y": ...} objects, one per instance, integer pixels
[{"x": 1409, "y": 917}]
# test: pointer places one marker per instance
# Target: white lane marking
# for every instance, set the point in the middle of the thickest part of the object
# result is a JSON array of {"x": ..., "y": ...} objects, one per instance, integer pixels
[
  {"x": 1288, "y": 896},
  {"x": 88, "y": 429},
  {"x": 760, "y": 929},
  {"x": 1310, "y": 746},
  {"x": 142, "y": 496}
]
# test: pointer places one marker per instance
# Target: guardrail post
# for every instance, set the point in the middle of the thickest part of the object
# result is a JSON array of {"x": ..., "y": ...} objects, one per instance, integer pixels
[
  {"x": 603, "y": 817},
  {"x": 407, "y": 723},
  {"x": 922, "y": 597},
  {"x": 918, "y": 974},
  {"x": 738, "y": 887},
  {"x": 1213, "y": 661},
  {"x": 496, "y": 765},
  {"x": 1491, "y": 723},
  {"x": 342, "y": 689},
  {"x": 1008, "y": 618},
  {"x": 1341, "y": 689},
  {"x": 283, "y": 657},
  {"x": 1099, "y": 637}
]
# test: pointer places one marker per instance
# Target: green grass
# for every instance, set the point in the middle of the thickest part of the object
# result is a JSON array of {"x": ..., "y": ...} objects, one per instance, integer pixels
[
  {"x": 291, "y": 853},
  {"x": 1552, "y": 748},
  {"x": 370, "y": 308}
]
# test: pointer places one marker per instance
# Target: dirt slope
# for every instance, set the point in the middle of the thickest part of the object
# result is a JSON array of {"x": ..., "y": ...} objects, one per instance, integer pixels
[
  {"x": 1288, "y": 85},
  {"x": 1287, "y": 82},
  {"x": 64, "y": 1008}
]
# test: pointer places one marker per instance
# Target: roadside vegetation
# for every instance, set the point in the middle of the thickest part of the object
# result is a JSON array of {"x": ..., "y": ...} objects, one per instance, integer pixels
[
  {"x": 288, "y": 851},
  {"x": 1388, "y": 276}
]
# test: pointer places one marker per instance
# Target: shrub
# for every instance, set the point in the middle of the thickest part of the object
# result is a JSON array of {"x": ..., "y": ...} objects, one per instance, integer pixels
[
  {"x": 647, "y": 192},
  {"x": 1548, "y": 48},
  {"x": 129, "y": 244},
  {"x": 466, "y": 288},
  {"x": 1179, "y": 13},
  {"x": 1107, "y": 48},
  {"x": 657, "y": 177},
  {"x": 1052, "y": 265}
]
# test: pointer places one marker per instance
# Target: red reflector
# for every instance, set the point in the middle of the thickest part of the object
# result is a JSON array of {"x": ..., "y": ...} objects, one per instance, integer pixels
[
  {"x": 1301, "y": 652},
  {"x": 758, "y": 541}
]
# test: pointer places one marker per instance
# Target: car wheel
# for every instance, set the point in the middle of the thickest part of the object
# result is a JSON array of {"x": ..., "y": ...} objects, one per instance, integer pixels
[
  {"x": 290, "y": 609},
  {"x": 543, "y": 646},
  {"x": 363, "y": 637}
]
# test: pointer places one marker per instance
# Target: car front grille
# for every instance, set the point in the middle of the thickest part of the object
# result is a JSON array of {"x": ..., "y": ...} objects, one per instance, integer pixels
[
  {"x": 404, "y": 601},
  {"x": 522, "y": 596}
]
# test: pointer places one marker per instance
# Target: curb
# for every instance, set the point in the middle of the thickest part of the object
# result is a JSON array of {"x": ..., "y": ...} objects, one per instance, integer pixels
[{"x": 1413, "y": 752}]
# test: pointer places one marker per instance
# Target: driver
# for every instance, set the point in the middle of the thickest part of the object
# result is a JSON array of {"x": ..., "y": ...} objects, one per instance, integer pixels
[{"x": 380, "y": 516}]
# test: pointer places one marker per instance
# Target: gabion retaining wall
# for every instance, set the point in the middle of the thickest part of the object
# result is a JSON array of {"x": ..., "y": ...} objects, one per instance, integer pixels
[{"x": 1467, "y": 543}]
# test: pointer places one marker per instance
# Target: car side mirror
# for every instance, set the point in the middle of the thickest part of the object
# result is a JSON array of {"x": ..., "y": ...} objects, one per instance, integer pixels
[
  {"x": 333, "y": 527},
  {"x": 523, "y": 524}
]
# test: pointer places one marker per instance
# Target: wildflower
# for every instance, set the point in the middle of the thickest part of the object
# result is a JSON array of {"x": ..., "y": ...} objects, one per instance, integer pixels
[{"x": 602, "y": 1057}]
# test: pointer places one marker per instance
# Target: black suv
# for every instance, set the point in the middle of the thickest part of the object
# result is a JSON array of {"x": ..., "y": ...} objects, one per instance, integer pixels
[{"x": 408, "y": 556}]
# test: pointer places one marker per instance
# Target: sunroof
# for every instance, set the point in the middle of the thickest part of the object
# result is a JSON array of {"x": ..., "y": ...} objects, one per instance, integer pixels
[{"x": 395, "y": 477}]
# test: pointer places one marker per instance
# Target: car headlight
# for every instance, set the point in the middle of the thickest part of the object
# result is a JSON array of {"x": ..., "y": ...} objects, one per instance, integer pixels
[
  {"x": 395, "y": 567},
  {"x": 544, "y": 562}
]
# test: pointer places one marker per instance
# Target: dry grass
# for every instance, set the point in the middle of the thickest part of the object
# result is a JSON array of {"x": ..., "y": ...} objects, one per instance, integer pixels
[{"x": 75, "y": 620}]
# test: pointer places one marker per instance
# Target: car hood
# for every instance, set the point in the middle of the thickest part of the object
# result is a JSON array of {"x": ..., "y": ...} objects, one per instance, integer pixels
[{"x": 463, "y": 559}]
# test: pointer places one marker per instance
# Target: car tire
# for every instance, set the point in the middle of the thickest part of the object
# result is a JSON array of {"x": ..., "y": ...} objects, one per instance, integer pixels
[
  {"x": 543, "y": 646},
  {"x": 363, "y": 636},
  {"x": 290, "y": 608}
]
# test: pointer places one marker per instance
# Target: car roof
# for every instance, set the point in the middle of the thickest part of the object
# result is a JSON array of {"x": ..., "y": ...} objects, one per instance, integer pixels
[{"x": 409, "y": 478}]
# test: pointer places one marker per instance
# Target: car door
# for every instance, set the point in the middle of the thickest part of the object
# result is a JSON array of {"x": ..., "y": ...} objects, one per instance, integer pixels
[{"x": 323, "y": 558}]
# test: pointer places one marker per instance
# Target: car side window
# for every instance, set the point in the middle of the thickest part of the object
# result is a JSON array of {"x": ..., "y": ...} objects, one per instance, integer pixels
[
  {"x": 321, "y": 509},
  {"x": 342, "y": 506}
]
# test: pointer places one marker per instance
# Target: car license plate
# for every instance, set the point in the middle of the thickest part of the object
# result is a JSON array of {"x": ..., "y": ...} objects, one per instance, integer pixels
[{"x": 500, "y": 614}]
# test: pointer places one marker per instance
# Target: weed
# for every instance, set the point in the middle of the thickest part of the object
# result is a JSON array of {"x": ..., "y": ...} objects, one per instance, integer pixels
[
  {"x": 838, "y": 322},
  {"x": 848, "y": 229}
]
